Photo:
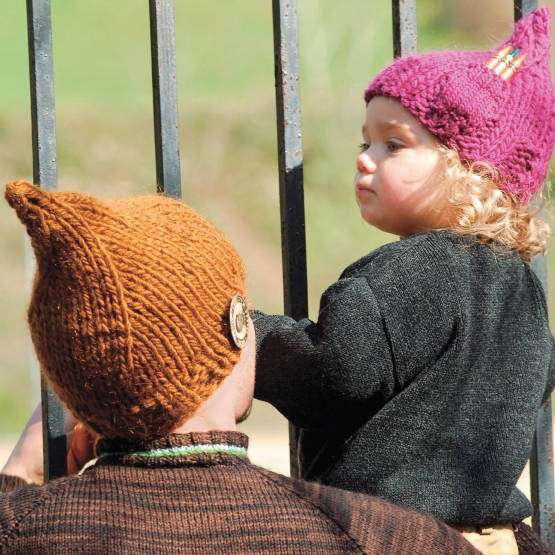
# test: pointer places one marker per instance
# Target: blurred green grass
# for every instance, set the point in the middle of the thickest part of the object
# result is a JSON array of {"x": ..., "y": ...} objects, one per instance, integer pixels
[{"x": 227, "y": 116}]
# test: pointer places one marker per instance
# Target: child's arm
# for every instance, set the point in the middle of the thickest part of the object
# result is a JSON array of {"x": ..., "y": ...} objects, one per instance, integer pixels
[{"x": 310, "y": 370}]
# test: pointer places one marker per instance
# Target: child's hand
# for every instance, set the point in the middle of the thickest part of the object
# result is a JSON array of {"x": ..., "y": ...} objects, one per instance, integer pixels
[
  {"x": 80, "y": 448},
  {"x": 26, "y": 459}
]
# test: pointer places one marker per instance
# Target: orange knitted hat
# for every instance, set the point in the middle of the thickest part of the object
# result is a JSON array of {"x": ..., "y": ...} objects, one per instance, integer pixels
[{"x": 129, "y": 310}]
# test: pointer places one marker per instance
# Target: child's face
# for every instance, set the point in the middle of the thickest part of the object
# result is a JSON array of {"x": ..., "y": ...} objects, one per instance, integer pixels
[{"x": 396, "y": 183}]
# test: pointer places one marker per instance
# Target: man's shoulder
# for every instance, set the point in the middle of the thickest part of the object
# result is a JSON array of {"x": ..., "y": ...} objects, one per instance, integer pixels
[
  {"x": 373, "y": 524},
  {"x": 19, "y": 503},
  {"x": 15, "y": 505}
]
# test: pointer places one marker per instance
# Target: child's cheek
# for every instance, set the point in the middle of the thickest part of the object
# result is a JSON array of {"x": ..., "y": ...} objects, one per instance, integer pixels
[{"x": 424, "y": 163}]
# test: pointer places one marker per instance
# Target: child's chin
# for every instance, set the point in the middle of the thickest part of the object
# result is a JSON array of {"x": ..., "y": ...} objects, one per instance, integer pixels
[
  {"x": 382, "y": 226},
  {"x": 369, "y": 217}
]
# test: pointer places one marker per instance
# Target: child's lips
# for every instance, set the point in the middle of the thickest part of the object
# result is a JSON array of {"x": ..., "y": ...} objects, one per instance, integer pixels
[{"x": 364, "y": 190}]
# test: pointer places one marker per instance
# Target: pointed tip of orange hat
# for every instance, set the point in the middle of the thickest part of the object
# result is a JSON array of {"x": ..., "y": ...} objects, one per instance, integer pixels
[
  {"x": 27, "y": 200},
  {"x": 22, "y": 192}
]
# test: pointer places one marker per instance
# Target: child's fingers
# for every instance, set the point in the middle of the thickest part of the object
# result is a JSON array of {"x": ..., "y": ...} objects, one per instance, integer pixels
[{"x": 81, "y": 448}]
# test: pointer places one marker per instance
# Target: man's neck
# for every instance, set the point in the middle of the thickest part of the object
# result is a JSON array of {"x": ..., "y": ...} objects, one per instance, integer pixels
[
  {"x": 207, "y": 423},
  {"x": 217, "y": 413}
]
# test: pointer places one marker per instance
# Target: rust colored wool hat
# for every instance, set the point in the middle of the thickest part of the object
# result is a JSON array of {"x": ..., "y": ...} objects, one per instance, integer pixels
[{"x": 129, "y": 310}]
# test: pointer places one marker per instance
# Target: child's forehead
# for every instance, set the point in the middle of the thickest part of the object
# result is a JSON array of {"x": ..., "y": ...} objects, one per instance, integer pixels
[
  {"x": 388, "y": 114},
  {"x": 391, "y": 125},
  {"x": 383, "y": 111}
]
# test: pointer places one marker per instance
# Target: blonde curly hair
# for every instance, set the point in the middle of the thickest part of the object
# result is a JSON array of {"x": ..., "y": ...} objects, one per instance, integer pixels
[{"x": 479, "y": 207}]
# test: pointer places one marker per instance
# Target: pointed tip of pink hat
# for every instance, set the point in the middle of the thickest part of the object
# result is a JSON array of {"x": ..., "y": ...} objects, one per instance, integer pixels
[
  {"x": 537, "y": 17},
  {"x": 540, "y": 20},
  {"x": 532, "y": 35}
]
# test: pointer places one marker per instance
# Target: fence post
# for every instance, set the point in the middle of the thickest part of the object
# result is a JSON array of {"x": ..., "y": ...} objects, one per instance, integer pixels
[
  {"x": 164, "y": 97},
  {"x": 290, "y": 166},
  {"x": 404, "y": 27},
  {"x": 43, "y": 124},
  {"x": 542, "y": 486}
]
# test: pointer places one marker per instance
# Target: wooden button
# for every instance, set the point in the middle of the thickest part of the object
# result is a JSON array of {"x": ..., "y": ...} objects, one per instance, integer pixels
[{"x": 239, "y": 321}]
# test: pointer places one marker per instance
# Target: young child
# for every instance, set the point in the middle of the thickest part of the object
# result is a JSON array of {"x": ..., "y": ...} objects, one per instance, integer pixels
[{"x": 421, "y": 380}]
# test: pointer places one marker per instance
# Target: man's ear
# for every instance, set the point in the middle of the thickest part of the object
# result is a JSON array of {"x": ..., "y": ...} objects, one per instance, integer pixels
[{"x": 81, "y": 448}]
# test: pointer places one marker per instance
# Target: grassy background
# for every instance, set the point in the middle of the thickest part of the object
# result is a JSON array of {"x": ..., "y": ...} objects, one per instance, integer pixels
[{"x": 228, "y": 139}]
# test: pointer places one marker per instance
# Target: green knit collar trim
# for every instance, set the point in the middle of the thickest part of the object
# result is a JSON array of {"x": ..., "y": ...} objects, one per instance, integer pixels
[
  {"x": 202, "y": 448},
  {"x": 182, "y": 451}
]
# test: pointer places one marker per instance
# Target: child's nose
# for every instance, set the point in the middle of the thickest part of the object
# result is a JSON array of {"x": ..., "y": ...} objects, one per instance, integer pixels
[{"x": 365, "y": 164}]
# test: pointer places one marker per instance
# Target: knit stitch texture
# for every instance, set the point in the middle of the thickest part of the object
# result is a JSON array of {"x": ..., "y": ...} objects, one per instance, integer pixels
[
  {"x": 128, "y": 313},
  {"x": 508, "y": 124},
  {"x": 207, "y": 504},
  {"x": 421, "y": 379}
]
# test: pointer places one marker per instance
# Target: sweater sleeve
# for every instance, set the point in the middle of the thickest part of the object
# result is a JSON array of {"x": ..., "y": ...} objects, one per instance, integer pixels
[
  {"x": 390, "y": 318},
  {"x": 375, "y": 525},
  {"x": 10, "y": 483},
  {"x": 18, "y": 501},
  {"x": 310, "y": 370}
]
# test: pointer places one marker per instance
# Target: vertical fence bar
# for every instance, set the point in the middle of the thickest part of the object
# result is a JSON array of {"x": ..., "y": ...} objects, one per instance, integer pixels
[
  {"x": 542, "y": 483},
  {"x": 522, "y": 7},
  {"x": 404, "y": 27},
  {"x": 164, "y": 97},
  {"x": 43, "y": 123},
  {"x": 290, "y": 162},
  {"x": 541, "y": 477}
]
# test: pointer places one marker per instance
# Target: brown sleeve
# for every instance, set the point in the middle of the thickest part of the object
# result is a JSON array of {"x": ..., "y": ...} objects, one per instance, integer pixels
[
  {"x": 18, "y": 500},
  {"x": 378, "y": 526},
  {"x": 10, "y": 483}
]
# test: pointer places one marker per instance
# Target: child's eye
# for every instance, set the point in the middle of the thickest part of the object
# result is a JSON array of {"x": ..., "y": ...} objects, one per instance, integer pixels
[
  {"x": 363, "y": 146},
  {"x": 393, "y": 146}
]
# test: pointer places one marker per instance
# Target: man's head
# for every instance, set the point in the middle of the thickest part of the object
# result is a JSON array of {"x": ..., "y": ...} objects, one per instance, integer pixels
[{"x": 130, "y": 307}]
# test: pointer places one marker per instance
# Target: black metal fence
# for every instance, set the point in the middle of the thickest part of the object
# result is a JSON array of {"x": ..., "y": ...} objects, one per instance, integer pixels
[{"x": 290, "y": 160}]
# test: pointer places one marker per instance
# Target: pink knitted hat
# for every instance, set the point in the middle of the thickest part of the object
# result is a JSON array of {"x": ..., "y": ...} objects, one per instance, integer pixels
[{"x": 479, "y": 112}]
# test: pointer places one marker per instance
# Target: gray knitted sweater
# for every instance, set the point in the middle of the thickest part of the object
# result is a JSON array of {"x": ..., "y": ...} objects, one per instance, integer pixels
[{"x": 421, "y": 380}]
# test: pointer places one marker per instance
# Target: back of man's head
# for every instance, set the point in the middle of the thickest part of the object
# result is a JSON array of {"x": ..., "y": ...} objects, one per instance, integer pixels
[{"x": 129, "y": 313}]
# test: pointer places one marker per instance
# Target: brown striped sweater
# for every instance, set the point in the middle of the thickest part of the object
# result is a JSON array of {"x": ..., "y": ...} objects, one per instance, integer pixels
[{"x": 198, "y": 493}]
